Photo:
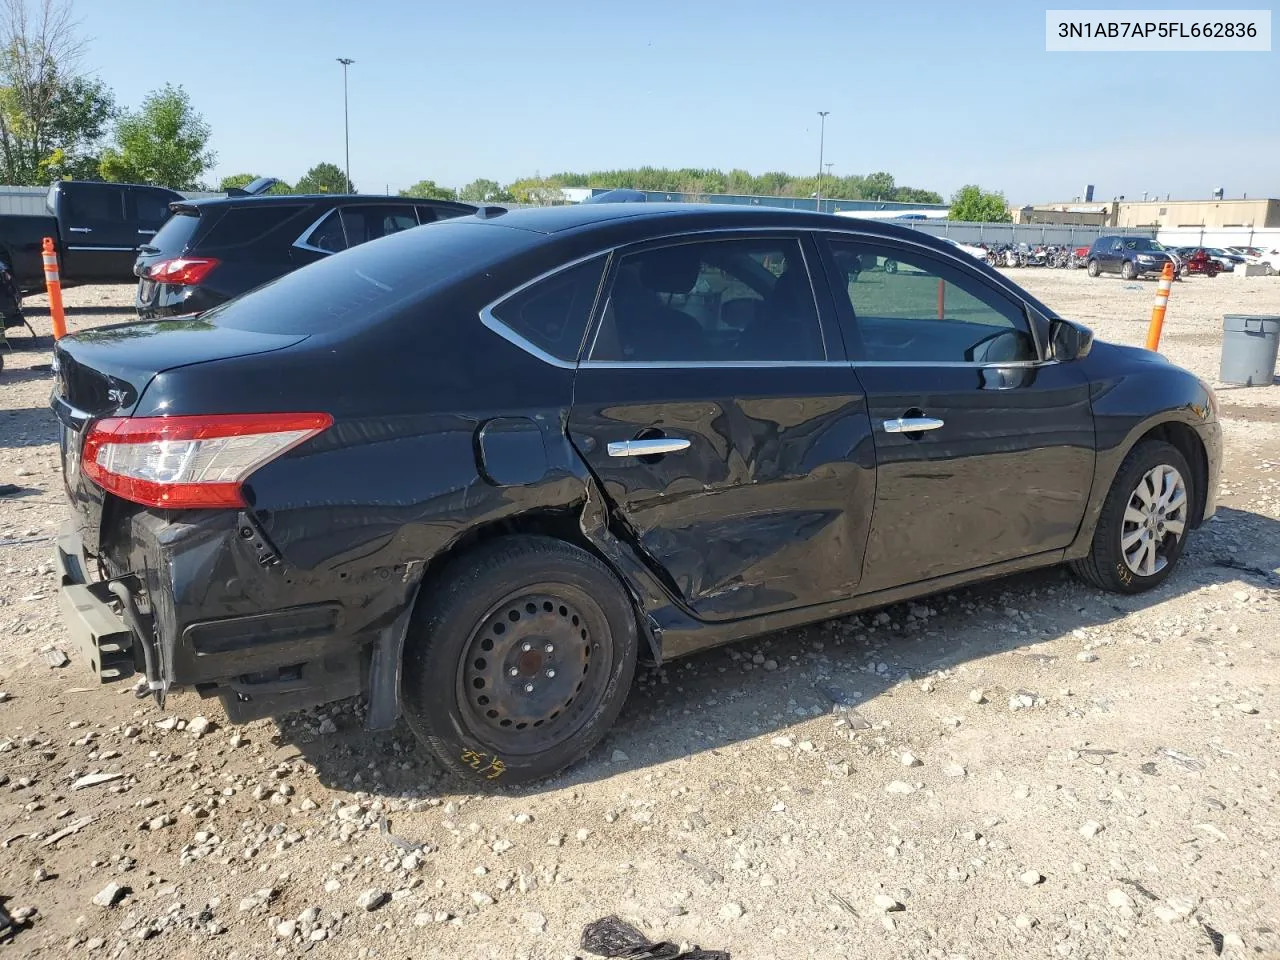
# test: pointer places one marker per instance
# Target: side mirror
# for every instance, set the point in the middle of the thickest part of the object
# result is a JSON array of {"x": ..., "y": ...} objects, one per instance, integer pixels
[{"x": 1069, "y": 341}]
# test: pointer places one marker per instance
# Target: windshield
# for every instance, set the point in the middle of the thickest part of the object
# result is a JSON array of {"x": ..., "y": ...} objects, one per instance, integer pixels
[{"x": 1143, "y": 244}]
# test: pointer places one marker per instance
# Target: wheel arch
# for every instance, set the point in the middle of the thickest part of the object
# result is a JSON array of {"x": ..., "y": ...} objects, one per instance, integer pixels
[{"x": 569, "y": 524}]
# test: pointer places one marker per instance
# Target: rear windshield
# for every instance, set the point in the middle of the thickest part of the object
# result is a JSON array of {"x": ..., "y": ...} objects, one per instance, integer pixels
[
  {"x": 173, "y": 237},
  {"x": 367, "y": 283}
]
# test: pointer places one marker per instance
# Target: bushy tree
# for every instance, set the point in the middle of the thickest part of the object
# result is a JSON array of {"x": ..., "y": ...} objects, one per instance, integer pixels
[
  {"x": 429, "y": 190},
  {"x": 481, "y": 190},
  {"x": 323, "y": 178},
  {"x": 242, "y": 180},
  {"x": 164, "y": 143},
  {"x": 52, "y": 118},
  {"x": 974, "y": 204}
]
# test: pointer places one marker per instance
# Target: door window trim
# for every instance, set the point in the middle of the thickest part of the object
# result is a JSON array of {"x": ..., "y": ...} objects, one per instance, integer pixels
[
  {"x": 729, "y": 234},
  {"x": 1030, "y": 314},
  {"x": 1036, "y": 318}
]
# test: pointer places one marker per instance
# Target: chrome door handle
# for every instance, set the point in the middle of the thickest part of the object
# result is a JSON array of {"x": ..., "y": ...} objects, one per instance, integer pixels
[
  {"x": 912, "y": 424},
  {"x": 647, "y": 448},
  {"x": 147, "y": 233},
  {"x": 81, "y": 229}
]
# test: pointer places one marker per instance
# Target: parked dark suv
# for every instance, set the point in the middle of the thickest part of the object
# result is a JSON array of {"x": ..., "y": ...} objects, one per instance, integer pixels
[
  {"x": 476, "y": 470},
  {"x": 1128, "y": 256},
  {"x": 212, "y": 250}
]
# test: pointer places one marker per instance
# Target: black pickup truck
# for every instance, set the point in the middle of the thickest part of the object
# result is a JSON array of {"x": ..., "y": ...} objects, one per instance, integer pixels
[{"x": 98, "y": 228}]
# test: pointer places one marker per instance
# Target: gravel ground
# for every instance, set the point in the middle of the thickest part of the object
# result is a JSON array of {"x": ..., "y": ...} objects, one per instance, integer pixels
[{"x": 1024, "y": 769}]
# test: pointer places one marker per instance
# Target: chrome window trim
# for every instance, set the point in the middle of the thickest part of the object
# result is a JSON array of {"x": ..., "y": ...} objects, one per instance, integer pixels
[
  {"x": 511, "y": 336},
  {"x": 301, "y": 242},
  {"x": 108, "y": 249},
  {"x": 502, "y": 330}
]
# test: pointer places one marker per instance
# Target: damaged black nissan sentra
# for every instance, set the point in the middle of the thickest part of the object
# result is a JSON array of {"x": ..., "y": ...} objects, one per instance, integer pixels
[{"x": 474, "y": 471}]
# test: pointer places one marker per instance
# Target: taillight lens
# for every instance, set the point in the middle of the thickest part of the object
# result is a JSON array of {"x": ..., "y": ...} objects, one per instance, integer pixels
[
  {"x": 179, "y": 463},
  {"x": 183, "y": 271}
]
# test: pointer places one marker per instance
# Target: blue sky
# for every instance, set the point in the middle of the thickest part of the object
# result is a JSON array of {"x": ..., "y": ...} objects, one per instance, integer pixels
[{"x": 937, "y": 93}]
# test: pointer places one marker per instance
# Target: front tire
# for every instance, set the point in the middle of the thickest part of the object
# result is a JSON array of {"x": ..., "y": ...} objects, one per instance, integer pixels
[
  {"x": 518, "y": 660},
  {"x": 1143, "y": 526},
  {"x": 1127, "y": 270},
  {"x": 1094, "y": 269}
]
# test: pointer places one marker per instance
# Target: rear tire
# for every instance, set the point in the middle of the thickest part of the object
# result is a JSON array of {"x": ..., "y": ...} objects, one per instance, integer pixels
[
  {"x": 518, "y": 660},
  {"x": 1094, "y": 269},
  {"x": 1143, "y": 527}
]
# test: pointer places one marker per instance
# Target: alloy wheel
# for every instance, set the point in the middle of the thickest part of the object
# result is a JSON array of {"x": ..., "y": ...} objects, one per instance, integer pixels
[{"x": 1154, "y": 520}]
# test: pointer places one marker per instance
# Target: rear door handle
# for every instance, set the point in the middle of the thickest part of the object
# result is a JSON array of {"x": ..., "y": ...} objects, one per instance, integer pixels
[
  {"x": 147, "y": 233},
  {"x": 912, "y": 424},
  {"x": 647, "y": 448},
  {"x": 81, "y": 229}
]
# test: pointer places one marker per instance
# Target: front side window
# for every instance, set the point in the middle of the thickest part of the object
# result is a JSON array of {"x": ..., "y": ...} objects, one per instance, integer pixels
[
  {"x": 712, "y": 301},
  {"x": 909, "y": 307}
]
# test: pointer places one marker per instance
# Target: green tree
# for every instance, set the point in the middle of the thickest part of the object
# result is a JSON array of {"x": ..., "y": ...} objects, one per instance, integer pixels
[
  {"x": 163, "y": 143},
  {"x": 916, "y": 195},
  {"x": 480, "y": 190},
  {"x": 323, "y": 178},
  {"x": 52, "y": 118},
  {"x": 429, "y": 190},
  {"x": 973, "y": 204},
  {"x": 242, "y": 180},
  {"x": 878, "y": 186}
]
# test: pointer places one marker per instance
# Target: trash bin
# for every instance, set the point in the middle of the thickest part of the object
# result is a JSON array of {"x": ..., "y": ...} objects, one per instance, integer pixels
[{"x": 1249, "y": 347}]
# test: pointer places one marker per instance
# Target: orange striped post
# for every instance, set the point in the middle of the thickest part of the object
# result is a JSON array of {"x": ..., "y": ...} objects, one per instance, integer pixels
[
  {"x": 1157, "y": 311},
  {"x": 54, "y": 285}
]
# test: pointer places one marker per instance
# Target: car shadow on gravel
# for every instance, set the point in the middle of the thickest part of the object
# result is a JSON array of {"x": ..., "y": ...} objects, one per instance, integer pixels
[
  {"x": 715, "y": 700},
  {"x": 26, "y": 426}
]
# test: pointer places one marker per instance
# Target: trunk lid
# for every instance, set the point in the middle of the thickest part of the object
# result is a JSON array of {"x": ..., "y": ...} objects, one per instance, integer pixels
[{"x": 104, "y": 372}]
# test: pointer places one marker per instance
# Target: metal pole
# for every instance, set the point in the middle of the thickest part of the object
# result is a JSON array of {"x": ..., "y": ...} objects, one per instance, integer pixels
[
  {"x": 346, "y": 116},
  {"x": 822, "y": 138}
]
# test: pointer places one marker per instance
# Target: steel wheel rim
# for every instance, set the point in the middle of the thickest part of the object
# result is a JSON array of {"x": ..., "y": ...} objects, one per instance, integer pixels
[
  {"x": 1155, "y": 519},
  {"x": 507, "y": 653}
]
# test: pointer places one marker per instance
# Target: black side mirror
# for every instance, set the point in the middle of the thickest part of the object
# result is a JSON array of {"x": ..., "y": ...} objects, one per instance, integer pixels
[{"x": 1069, "y": 341}]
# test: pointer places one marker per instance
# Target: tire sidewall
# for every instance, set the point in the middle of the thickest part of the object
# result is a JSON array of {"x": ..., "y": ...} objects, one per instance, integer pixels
[
  {"x": 1093, "y": 268},
  {"x": 1108, "y": 551},
  {"x": 440, "y": 635}
]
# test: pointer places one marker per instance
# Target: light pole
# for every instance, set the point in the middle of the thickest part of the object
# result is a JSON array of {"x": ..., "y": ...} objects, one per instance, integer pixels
[
  {"x": 822, "y": 137},
  {"x": 346, "y": 116}
]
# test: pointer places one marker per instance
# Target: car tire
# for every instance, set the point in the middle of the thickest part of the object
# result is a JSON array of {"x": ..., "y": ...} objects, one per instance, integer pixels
[
  {"x": 544, "y": 608},
  {"x": 891, "y": 266},
  {"x": 1127, "y": 271},
  {"x": 1118, "y": 562},
  {"x": 1094, "y": 269},
  {"x": 1183, "y": 270}
]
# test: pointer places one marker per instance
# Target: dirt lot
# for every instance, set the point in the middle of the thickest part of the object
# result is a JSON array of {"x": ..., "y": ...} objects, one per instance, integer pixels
[{"x": 1028, "y": 769}]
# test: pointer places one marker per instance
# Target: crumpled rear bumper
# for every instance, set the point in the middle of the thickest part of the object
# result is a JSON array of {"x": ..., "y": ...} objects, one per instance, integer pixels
[{"x": 92, "y": 614}]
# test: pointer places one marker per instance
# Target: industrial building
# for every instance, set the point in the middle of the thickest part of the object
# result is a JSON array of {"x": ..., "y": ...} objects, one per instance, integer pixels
[{"x": 1215, "y": 213}]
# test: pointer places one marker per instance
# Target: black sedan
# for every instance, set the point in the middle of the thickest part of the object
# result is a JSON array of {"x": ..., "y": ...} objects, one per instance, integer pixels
[{"x": 476, "y": 471}]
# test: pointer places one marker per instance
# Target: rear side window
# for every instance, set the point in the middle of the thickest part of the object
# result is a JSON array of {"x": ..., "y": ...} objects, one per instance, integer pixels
[
  {"x": 371, "y": 282},
  {"x": 176, "y": 234},
  {"x": 241, "y": 225},
  {"x": 152, "y": 208},
  {"x": 552, "y": 314},
  {"x": 365, "y": 223},
  {"x": 93, "y": 204},
  {"x": 326, "y": 236}
]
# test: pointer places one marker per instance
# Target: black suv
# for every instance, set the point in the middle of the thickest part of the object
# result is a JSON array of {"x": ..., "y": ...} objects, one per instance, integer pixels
[
  {"x": 1130, "y": 257},
  {"x": 212, "y": 250},
  {"x": 475, "y": 471}
]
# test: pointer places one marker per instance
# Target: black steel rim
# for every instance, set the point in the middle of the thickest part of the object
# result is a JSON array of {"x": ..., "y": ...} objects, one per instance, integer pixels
[{"x": 535, "y": 669}]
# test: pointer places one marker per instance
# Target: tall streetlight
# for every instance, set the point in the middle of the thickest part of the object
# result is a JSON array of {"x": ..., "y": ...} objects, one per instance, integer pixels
[
  {"x": 346, "y": 116},
  {"x": 822, "y": 136}
]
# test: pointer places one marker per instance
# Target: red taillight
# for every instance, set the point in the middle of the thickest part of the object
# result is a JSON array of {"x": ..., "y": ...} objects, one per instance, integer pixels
[
  {"x": 183, "y": 271},
  {"x": 179, "y": 463}
]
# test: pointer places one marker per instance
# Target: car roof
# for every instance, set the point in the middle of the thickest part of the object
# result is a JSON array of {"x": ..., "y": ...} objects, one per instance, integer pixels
[
  {"x": 336, "y": 199},
  {"x": 584, "y": 216}
]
